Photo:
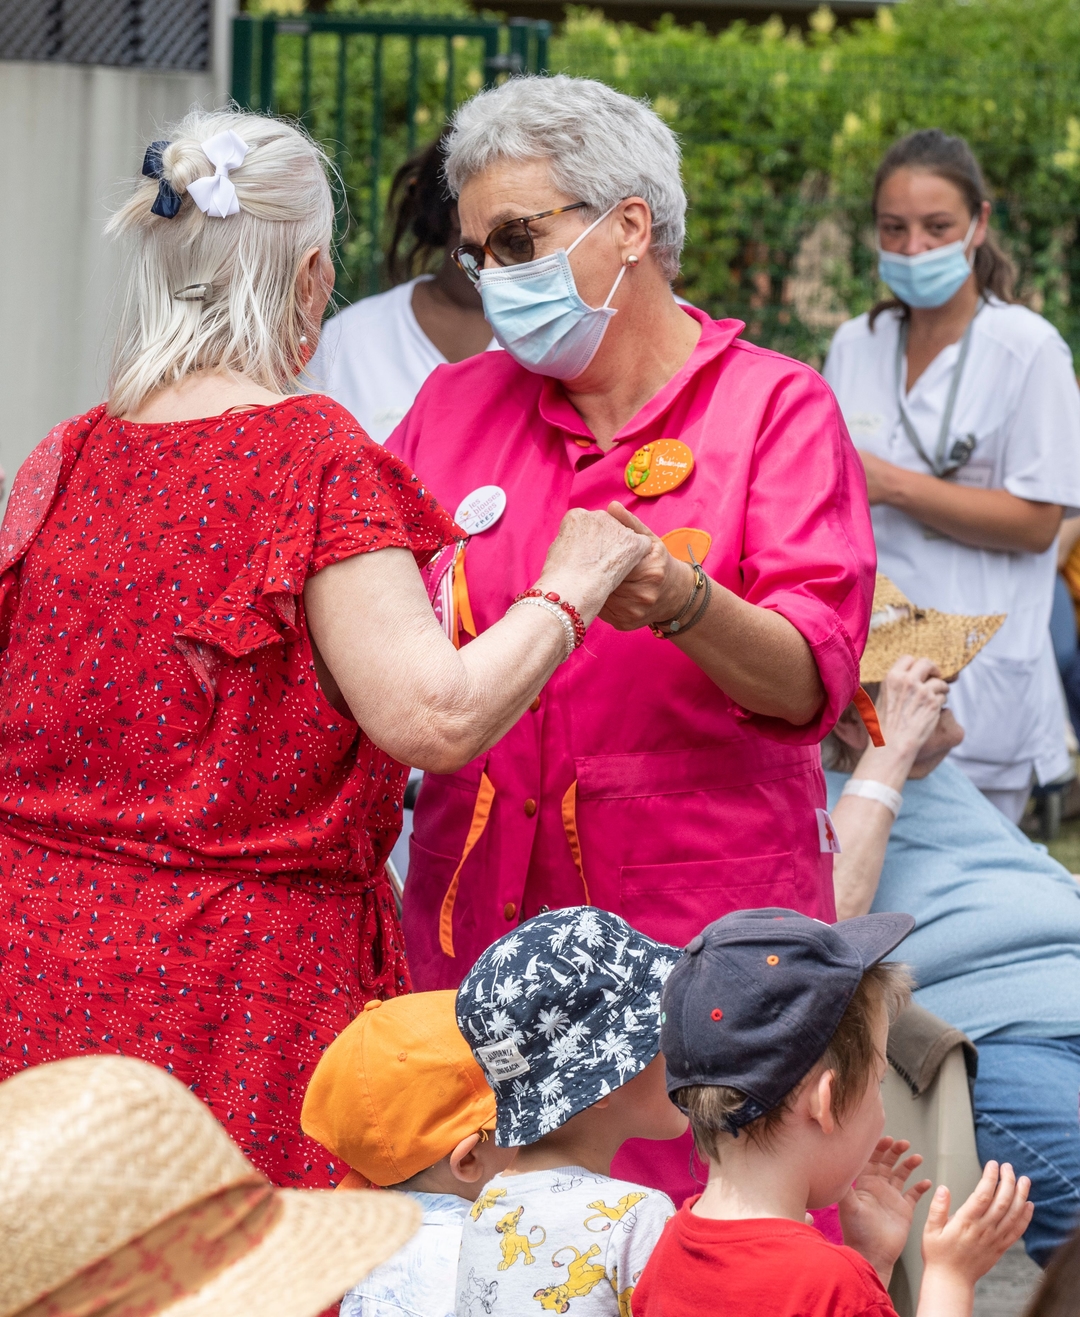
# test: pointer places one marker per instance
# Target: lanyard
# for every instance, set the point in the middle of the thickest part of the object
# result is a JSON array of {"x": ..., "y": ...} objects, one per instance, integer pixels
[{"x": 961, "y": 451}]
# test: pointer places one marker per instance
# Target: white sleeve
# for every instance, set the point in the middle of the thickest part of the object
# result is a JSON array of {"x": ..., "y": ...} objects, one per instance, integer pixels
[
  {"x": 632, "y": 1242},
  {"x": 1042, "y": 444},
  {"x": 831, "y": 370}
]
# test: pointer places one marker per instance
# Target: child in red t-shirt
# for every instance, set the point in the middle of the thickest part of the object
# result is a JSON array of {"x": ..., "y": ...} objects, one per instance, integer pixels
[{"x": 774, "y": 1029}]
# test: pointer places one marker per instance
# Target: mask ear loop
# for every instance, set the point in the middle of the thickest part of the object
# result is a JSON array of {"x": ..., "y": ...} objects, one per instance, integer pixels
[
  {"x": 584, "y": 234},
  {"x": 614, "y": 287},
  {"x": 970, "y": 233}
]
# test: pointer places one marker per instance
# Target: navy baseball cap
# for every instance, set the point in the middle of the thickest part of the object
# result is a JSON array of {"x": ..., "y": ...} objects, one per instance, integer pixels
[
  {"x": 755, "y": 999},
  {"x": 560, "y": 1012}
]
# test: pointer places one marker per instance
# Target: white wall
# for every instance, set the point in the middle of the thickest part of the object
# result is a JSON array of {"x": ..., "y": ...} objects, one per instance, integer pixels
[{"x": 72, "y": 134}]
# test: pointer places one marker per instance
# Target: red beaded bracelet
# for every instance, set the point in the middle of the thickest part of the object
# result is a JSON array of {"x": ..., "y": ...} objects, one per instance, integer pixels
[{"x": 568, "y": 608}]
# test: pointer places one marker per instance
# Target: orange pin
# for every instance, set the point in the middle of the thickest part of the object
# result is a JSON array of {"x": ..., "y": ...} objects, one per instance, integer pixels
[
  {"x": 688, "y": 544},
  {"x": 659, "y": 467}
]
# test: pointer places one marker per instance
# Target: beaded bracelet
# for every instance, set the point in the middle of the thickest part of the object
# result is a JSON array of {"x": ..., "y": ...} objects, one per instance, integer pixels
[
  {"x": 568, "y": 608},
  {"x": 554, "y": 609}
]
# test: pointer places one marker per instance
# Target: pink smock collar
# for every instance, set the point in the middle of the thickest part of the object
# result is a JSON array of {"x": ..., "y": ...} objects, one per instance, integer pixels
[{"x": 716, "y": 337}]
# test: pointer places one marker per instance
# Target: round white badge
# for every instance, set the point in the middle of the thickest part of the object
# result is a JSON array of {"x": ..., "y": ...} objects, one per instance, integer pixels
[{"x": 481, "y": 509}]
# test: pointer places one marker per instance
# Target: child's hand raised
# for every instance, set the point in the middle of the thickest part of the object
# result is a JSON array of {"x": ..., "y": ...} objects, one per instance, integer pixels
[
  {"x": 876, "y": 1213},
  {"x": 960, "y": 1249}
]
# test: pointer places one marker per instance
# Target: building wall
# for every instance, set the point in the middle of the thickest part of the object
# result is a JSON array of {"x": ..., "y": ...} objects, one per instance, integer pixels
[{"x": 72, "y": 134}]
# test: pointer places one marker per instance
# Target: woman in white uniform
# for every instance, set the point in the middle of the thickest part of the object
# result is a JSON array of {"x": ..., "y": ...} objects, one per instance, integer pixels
[
  {"x": 373, "y": 357},
  {"x": 965, "y": 408}
]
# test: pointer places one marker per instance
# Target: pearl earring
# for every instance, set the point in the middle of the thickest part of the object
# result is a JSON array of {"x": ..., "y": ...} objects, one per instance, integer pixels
[{"x": 303, "y": 340}]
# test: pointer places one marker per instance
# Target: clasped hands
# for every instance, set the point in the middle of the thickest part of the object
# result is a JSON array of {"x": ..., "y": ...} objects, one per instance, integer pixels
[{"x": 656, "y": 590}]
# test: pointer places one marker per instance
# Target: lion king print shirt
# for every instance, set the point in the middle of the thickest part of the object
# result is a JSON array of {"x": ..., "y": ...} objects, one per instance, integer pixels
[{"x": 564, "y": 1241}]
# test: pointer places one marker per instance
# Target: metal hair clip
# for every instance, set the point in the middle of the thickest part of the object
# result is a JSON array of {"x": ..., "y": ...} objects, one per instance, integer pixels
[{"x": 193, "y": 293}]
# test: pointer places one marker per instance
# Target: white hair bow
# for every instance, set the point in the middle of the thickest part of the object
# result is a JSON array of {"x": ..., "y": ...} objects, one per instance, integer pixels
[{"x": 216, "y": 195}]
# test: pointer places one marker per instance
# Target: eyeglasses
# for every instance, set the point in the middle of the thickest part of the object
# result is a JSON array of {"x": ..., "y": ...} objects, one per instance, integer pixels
[{"x": 509, "y": 243}]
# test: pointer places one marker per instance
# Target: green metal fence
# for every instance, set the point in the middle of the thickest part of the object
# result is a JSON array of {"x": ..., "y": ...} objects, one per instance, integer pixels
[{"x": 373, "y": 89}]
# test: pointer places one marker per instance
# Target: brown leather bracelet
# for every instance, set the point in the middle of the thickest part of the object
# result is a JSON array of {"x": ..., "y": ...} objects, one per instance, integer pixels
[{"x": 677, "y": 626}]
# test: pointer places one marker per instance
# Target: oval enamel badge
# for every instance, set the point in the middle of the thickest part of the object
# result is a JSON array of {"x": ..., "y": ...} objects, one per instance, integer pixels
[
  {"x": 659, "y": 467},
  {"x": 481, "y": 509}
]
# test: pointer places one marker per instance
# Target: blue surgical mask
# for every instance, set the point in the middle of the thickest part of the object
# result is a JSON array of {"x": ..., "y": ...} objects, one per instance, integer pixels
[
  {"x": 931, "y": 277},
  {"x": 537, "y": 315}
]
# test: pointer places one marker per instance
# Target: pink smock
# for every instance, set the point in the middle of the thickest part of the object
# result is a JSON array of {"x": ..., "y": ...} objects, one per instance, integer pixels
[{"x": 635, "y": 783}]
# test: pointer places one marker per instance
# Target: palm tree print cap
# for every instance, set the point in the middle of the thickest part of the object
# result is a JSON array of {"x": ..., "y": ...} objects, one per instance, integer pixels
[{"x": 559, "y": 1013}]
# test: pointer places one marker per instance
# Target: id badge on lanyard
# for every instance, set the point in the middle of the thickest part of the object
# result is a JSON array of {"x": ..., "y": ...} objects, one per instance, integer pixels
[{"x": 943, "y": 463}]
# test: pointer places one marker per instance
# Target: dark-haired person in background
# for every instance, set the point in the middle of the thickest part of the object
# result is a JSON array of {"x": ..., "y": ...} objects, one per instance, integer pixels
[
  {"x": 374, "y": 355},
  {"x": 966, "y": 412}
]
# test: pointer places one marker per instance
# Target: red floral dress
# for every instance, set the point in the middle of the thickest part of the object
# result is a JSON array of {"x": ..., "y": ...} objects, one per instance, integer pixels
[{"x": 191, "y": 838}]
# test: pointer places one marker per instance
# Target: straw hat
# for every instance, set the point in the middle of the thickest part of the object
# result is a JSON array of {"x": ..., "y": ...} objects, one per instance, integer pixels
[
  {"x": 121, "y": 1193},
  {"x": 897, "y": 627}
]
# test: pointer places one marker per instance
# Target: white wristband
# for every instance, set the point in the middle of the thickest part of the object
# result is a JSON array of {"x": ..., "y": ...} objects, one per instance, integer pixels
[{"x": 861, "y": 786}]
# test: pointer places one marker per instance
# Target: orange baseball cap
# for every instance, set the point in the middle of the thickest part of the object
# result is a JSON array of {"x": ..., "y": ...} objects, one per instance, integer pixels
[{"x": 398, "y": 1089}]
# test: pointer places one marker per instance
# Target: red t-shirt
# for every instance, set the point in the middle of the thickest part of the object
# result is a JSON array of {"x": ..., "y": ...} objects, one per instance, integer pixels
[{"x": 768, "y": 1268}]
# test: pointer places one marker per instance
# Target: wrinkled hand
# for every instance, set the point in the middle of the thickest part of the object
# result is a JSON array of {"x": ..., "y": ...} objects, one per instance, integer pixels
[
  {"x": 658, "y": 587},
  {"x": 591, "y": 555},
  {"x": 912, "y": 697},
  {"x": 876, "y": 1213},
  {"x": 990, "y": 1222},
  {"x": 879, "y": 477}
]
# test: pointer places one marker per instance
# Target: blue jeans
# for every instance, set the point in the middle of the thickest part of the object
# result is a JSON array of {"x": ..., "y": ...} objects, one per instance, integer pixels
[
  {"x": 1027, "y": 1112},
  {"x": 1063, "y": 625}
]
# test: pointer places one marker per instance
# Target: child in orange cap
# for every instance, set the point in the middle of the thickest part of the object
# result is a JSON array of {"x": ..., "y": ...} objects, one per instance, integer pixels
[{"x": 398, "y": 1097}]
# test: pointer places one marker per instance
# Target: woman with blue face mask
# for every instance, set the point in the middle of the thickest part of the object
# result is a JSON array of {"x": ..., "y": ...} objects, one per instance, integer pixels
[
  {"x": 965, "y": 410},
  {"x": 670, "y": 772}
]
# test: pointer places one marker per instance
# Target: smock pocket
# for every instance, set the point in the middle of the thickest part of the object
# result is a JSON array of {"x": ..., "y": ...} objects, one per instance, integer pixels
[{"x": 673, "y": 902}]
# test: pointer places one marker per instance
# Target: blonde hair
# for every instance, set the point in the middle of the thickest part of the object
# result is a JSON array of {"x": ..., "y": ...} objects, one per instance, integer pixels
[
  {"x": 248, "y": 322},
  {"x": 851, "y": 1055}
]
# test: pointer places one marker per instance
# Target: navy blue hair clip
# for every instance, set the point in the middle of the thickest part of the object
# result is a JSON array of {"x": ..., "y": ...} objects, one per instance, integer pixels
[{"x": 167, "y": 203}]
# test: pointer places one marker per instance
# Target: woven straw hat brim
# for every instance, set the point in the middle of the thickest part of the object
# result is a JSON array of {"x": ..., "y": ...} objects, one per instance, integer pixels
[
  {"x": 322, "y": 1244},
  {"x": 950, "y": 640}
]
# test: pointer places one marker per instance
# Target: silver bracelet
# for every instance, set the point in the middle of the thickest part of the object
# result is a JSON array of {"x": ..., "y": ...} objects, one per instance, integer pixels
[
  {"x": 554, "y": 609},
  {"x": 871, "y": 790}
]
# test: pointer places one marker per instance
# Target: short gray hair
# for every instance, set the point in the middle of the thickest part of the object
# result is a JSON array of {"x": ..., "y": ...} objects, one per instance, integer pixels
[{"x": 601, "y": 145}]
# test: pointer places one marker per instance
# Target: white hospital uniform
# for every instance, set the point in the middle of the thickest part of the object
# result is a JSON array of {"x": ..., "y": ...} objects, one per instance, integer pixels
[
  {"x": 1018, "y": 400},
  {"x": 373, "y": 357}
]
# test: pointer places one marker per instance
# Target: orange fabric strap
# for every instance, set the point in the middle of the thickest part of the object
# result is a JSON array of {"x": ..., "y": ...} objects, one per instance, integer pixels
[
  {"x": 481, "y": 813},
  {"x": 868, "y": 714},
  {"x": 569, "y": 822},
  {"x": 462, "y": 606}
]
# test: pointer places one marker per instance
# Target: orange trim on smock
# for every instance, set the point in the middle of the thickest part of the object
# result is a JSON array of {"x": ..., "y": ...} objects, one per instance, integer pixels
[
  {"x": 462, "y": 607},
  {"x": 868, "y": 714},
  {"x": 480, "y": 816},
  {"x": 569, "y": 822}
]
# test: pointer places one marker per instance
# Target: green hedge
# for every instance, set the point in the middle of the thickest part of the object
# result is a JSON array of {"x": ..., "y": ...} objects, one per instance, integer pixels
[{"x": 781, "y": 133}]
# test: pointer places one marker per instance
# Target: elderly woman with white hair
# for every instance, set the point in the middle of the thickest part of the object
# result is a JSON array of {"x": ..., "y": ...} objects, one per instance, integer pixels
[
  {"x": 670, "y": 773},
  {"x": 216, "y": 654}
]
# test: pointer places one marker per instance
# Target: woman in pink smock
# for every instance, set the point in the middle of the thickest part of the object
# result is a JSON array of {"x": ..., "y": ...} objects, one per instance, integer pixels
[{"x": 670, "y": 777}]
